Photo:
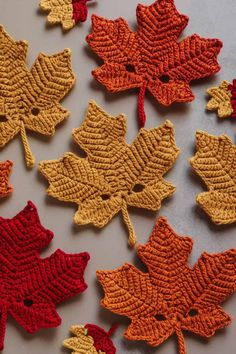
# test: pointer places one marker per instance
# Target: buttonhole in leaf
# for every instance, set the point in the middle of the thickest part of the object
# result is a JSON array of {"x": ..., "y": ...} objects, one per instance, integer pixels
[
  {"x": 130, "y": 68},
  {"x": 193, "y": 312},
  {"x": 160, "y": 317},
  {"x": 3, "y": 118},
  {"x": 28, "y": 302},
  {"x": 164, "y": 78},
  {"x": 105, "y": 196},
  {"x": 138, "y": 188},
  {"x": 35, "y": 111}
]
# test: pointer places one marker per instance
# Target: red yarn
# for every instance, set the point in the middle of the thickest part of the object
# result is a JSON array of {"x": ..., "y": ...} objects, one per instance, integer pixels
[
  {"x": 80, "y": 11},
  {"x": 232, "y": 88},
  {"x": 101, "y": 338},
  {"x": 30, "y": 286}
]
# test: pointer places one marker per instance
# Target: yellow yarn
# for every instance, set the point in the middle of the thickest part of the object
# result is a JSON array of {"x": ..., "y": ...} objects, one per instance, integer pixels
[
  {"x": 30, "y": 99},
  {"x": 221, "y": 100},
  {"x": 60, "y": 12},
  {"x": 114, "y": 175}
]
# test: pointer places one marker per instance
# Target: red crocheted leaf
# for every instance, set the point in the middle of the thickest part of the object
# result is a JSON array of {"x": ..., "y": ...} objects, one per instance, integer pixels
[
  {"x": 31, "y": 286},
  {"x": 80, "y": 11},
  {"x": 171, "y": 297},
  {"x": 152, "y": 58},
  {"x": 5, "y": 170},
  {"x": 101, "y": 338}
]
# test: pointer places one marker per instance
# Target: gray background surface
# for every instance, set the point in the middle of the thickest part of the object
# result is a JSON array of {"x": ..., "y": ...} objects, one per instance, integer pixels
[{"x": 108, "y": 247}]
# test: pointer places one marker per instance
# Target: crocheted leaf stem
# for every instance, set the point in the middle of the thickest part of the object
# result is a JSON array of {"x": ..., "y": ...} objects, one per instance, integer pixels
[
  {"x": 223, "y": 99},
  {"x": 90, "y": 339},
  {"x": 31, "y": 286},
  {"x": 114, "y": 175},
  {"x": 215, "y": 163},
  {"x": 152, "y": 58},
  {"x": 171, "y": 297},
  {"x": 30, "y": 99},
  {"x": 68, "y": 12},
  {"x": 5, "y": 170}
]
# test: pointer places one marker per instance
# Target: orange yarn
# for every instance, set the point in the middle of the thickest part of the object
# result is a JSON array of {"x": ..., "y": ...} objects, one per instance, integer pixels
[
  {"x": 5, "y": 170},
  {"x": 171, "y": 297}
]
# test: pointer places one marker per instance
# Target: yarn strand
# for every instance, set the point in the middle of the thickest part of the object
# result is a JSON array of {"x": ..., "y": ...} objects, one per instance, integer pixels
[
  {"x": 181, "y": 342},
  {"x": 29, "y": 158},
  {"x": 132, "y": 236},
  {"x": 141, "y": 111},
  {"x": 3, "y": 322}
]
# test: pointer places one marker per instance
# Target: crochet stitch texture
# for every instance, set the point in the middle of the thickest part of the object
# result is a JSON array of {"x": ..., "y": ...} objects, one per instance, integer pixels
[
  {"x": 152, "y": 58},
  {"x": 223, "y": 99},
  {"x": 114, "y": 175},
  {"x": 31, "y": 286},
  {"x": 5, "y": 170},
  {"x": 215, "y": 163},
  {"x": 171, "y": 297},
  {"x": 68, "y": 12},
  {"x": 90, "y": 339},
  {"x": 30, "y": 99}
]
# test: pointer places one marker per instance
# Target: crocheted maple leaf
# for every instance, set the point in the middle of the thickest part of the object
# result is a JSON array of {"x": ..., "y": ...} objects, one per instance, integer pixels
[
  {"x": 223, "y": 99},
  {"x": 215, "y": 163},
  {"x": 151, "y": 58},
  {"x": 171, "y": 297},
  {"x": 68, "y": 12},
  {"x": 30, "y": 99},
  {"x": 114, "y": 175},
  {"x": 31, "y": 286},
  {"x": 5, "y": 170},
  {"x": 90, "y": 339}
]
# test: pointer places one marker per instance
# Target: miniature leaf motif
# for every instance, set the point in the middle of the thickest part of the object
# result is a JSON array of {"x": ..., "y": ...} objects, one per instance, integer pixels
[
  {"x": 106, "y": 181},
  {"x": 215, "y": 163},
  {"x": 152, "y": 58},
  {"x": 221, "y": 100},
  {"x": 30, "y": 99},
  {"x": 171, "y": 297}
]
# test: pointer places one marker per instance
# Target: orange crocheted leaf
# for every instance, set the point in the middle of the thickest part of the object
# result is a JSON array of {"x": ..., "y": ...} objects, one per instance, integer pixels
[
  {"x": 171, "y": 297},
  {"x": 30, "y": 99},
  {"x": 114, "y": 175},
  {"x": 152, "y": 58},
  {"x": 5, "y": 170}
]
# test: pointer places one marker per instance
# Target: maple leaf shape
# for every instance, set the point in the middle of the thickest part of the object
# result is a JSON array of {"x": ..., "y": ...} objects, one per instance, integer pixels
[
  {"x": 114, "y": 174},
  {"x": 151, "y": 58},
  {"x": 215, "y": 164},
  {"x": 171, "y": 297},
  {"x": 5, "y": 170},
  {"x": 90, "y": 339},
  {"x": 223, "y": 99},
  {"x": 68, "y": 12},
  {"x": 30, "y": 99},
  {"x": 31, "y": 286}
]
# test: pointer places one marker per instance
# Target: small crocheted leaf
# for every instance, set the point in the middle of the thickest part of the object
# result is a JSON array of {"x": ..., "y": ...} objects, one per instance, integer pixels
[
  {"x": 171, "y": 297},
  {"x": 215, "y": 162},
  {"x": 221, "y": 100},
  {"x": 90, "y": 339},
  {"x": 152, "y": 58},
  {"x": 31, "y": 286},
  {"x": 114, "y": 175},
  {"x": 66, "y": 12},
  {"x": 30, "y": 99},
  {"x": 5, "y": 170}
]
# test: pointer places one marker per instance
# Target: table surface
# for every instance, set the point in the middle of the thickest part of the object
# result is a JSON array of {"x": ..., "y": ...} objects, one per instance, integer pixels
[{"x": 108, "y": 247}]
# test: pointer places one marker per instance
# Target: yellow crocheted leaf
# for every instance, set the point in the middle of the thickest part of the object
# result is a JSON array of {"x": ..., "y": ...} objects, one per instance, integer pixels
[
  {"x": 114, "y": 174},
  {"x": 82, "y": 343},
  {"x": 60, "y": 11},
  {"x": 215, "y": 162},
  {"x": 170, "y": 297},
  {"x": 30, "y": 99},
  {"x": 221, "y": 100}
]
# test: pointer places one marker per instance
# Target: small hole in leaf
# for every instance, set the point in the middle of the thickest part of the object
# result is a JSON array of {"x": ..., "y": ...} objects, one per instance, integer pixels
[
  {"x": 160, "y": 317},
  {"x": 164, "y": 78},
  {"x": 138, "y": 188},
  {"x": 28, "y": 302},
  {"x": 130, "y": 68},
  {"x": 193, "y": 312},
  {"x": 35, "y": 111},
  {"x": 105, "y": 196},
  {"x": 3, "y": 118}
]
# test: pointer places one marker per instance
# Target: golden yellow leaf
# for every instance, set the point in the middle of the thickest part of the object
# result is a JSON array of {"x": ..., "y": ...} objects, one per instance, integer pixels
[
  {"x": 221, "y": 100},
  {"x": 82, "y": 343},
  {"x": 29, "y": 99},
  {"x": 114, "y": 174},
  {"x": 215, "y": 162}
]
